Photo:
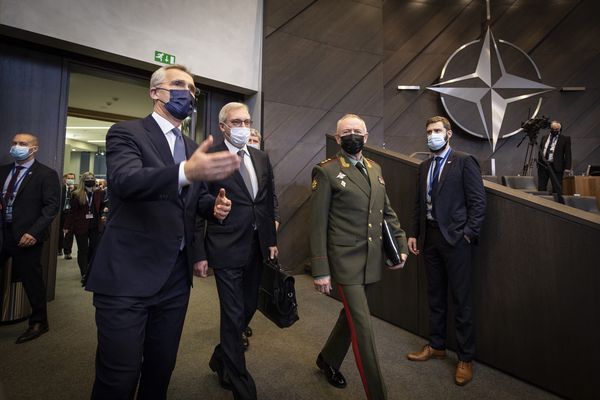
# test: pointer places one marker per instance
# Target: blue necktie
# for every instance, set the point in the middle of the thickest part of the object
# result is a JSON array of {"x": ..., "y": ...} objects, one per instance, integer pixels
[
  {"x": 179, "y": 148},
  {"x": 436, "y": 172}
]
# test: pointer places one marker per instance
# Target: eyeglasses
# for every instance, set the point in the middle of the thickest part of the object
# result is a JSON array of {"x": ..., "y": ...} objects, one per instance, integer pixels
[
  {"x": 238, "y": 122},
  {"x": 352, "y": 131}
]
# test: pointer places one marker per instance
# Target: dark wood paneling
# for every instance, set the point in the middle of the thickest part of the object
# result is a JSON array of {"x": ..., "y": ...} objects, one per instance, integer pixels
[{"x": 321, "y": 60}]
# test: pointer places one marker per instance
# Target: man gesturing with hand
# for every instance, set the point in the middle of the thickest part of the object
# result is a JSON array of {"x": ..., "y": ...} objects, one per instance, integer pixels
[{"x": 142, "y": 271}]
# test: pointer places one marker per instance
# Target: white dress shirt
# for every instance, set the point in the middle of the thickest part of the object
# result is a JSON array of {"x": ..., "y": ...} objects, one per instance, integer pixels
[
  {"x": 247, "y": 163},
  {"x": 166, "y": 127}
]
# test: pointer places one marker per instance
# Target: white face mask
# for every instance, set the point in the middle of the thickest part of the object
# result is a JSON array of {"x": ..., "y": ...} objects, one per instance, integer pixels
[
  {"x": 436, "y": 141},
  {"x": 239, "y": 136},
  {"x": 255, "y": 145}
]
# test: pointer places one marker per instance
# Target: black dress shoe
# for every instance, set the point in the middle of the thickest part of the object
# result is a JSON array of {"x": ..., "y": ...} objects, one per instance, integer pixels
[
  {"x": 334, "y": 377},
  {"x": 245, "y": 341},
  {"x": 216, "y": 366},
  {"x": 248, "y": 331},
  {"x": 33, "y": 332}
]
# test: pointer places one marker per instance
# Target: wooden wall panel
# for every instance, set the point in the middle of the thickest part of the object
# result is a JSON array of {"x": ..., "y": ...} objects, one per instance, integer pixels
[
  {"x": 561, "y": 37},
  {"x": 321, "y": 60}
]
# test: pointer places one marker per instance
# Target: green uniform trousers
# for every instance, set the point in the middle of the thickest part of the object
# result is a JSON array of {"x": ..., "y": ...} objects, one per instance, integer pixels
[{"x": 354, "y": 326}]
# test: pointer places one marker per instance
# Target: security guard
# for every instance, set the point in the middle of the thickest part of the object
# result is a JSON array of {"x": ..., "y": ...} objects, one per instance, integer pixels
[{"x": 349, "y": 204}]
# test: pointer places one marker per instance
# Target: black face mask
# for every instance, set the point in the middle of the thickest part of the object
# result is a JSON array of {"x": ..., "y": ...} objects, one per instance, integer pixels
[
  {"x": 554, "y": 133},
  {"x": 353, "y": 144},
  {"x": 90, "y": 183}
]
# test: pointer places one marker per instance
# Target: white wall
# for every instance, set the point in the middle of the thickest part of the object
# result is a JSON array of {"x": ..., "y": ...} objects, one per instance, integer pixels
[{"x": 219, "y": 40}]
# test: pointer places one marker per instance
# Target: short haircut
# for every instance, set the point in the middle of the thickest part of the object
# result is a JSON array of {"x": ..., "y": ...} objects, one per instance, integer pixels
[
  {"x": 556, "y": 122},
  {"x": 34, "y": 139},
  {"x": 347, "y": 116},
  {"x": 159, "y": 75},
  {"x": 67, "y": 174},
  {"x": 441, "y": 119},
  {"x": 228, "y": 107}
]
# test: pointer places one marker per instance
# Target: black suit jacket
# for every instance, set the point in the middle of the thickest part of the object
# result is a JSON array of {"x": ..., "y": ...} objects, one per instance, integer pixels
[
  {"x": 458, "y": 199},
  {"x": 148, "y": 216},
  {"x": 562, "y": 153},
  {"x": 227, "y": 244},
  {"x": 36, "y": 203}
]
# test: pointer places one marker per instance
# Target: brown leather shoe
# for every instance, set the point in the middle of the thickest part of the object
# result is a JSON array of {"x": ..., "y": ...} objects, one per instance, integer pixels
[
  {"x": 464, "y": 373},
  {"x": 427, "y": 353}
]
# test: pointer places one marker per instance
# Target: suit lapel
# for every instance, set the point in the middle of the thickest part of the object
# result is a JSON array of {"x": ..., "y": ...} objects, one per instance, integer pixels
[
  {"x": 30, "y": 173},
  {"x": 354, "y": 174},
  {"x": 258, "y": 168},
  {"x": 158, "y": 139},
  {"x": 237, "y": 177},
  {"x": 448, "y": 166}
]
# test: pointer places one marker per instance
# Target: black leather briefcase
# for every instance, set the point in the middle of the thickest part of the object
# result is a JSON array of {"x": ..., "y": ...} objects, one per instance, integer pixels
[
  {"x": 277, "y": 295},
  {"x": 390, "y": 244}
]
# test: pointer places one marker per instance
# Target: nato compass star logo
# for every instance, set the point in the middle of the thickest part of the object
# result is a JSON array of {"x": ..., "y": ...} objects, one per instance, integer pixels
[{"x": 490, "y": 102}]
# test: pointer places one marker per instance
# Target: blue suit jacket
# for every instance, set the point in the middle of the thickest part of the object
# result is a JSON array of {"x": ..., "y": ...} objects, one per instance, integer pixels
[
  {"x": 458, "y": 199},
  {"x": 148, "y": 216}
]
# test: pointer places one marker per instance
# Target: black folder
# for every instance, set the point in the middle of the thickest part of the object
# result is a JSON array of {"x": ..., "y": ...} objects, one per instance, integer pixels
[{"x": 390, "y": 244}]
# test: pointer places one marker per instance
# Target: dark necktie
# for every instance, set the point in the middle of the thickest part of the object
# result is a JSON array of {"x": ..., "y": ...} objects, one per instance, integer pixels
[
  {"x": 10, "y": 189},
  {"x": 363, "y": 171},
  {"x": 245, "y": 174},
  {"x": 436, "y": 172},
  {"x": 179, "y": 148}
]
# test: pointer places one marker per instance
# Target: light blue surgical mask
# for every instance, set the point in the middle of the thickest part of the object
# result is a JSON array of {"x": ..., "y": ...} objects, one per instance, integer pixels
[
  {"x": 19, "y": 153},
  {"x": 436, "y": 141}
]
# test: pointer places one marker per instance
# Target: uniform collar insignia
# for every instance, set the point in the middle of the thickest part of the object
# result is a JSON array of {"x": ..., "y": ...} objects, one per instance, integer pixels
[{"x": 341, "y": 175}]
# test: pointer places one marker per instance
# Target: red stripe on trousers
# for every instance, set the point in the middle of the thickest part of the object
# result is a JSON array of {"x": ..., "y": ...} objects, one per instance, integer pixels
[{"x": 355, "y": 350}]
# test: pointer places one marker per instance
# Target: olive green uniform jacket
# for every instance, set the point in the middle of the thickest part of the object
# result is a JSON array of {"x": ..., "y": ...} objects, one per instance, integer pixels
[{"x": 346, "y": 221}]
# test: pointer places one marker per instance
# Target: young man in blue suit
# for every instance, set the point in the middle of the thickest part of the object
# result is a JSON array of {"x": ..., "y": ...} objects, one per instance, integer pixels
[
  {"x": 449, "y": 211},
  {"x": 142, "y": 271}
]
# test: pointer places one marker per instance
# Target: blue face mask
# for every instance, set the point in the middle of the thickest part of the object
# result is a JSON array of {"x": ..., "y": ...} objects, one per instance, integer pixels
[
  {"x": 180, "y": 104},
  {"x": 19, "y": 153},
  {"x": 436, "y": 141}
]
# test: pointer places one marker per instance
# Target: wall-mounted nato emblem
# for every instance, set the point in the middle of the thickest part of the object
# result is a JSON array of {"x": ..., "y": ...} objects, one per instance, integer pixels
[{"x": 489, "y": 87}]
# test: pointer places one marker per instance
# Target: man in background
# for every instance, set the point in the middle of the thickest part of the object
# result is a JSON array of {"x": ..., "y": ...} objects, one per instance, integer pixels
[
  {"x": 65, "y": 239},
  {"x": 30, "y": 201},
  {"x": 555, "y": 154},
  {"x": 447, "y": 218}
]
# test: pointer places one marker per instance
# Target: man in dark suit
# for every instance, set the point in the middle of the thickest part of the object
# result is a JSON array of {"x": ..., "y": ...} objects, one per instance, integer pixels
[
  {"x": 30, "y": 201},
  {"x": 235, "y": 247},
  {"x": 65, "y": 239},
  {"x": 449, "y": 211},
  {"x": 142, "y": 271},
  {"x": 555, "y": 153}
]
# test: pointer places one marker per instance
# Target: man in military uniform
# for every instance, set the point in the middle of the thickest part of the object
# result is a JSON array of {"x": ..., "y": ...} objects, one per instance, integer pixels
[{"x": 349, "y": 204}]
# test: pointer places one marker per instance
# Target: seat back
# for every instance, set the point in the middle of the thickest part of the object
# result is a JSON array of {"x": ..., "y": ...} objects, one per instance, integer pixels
[
  {"x": 585, "y": 203},
  {"x": 492, "y": 178},
  {"x": 519, "y": 182}
]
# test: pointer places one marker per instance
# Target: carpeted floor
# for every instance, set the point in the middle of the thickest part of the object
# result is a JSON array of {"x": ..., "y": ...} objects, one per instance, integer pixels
[{"x": 60, "y": 364}]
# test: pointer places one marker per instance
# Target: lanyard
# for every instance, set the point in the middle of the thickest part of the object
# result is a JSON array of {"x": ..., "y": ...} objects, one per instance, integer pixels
[
  {"x": 439, "y": 168},
  {"x": 90, "y": 200}
]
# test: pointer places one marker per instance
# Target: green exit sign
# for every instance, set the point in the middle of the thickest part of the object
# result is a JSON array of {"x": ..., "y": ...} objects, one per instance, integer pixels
[{"x": 163, "y": 57}]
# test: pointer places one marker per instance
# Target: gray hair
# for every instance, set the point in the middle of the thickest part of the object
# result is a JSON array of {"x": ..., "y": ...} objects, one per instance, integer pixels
[
  {"x": 348, "y": 116},
  {"x": 159, "y": 75},
  {"x": 228, "y": 107}
]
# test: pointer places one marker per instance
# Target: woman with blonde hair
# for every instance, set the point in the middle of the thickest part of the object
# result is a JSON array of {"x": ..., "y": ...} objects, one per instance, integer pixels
[{"x": 85, "y": 220}]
